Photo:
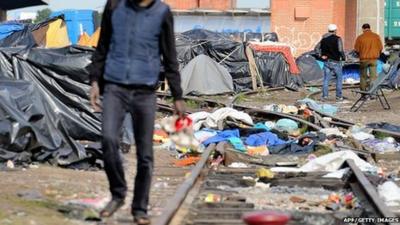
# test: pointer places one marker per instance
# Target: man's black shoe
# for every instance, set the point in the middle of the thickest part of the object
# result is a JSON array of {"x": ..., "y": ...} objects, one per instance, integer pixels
[
  {"x": 142, "y": 220},
  {"x": 111, "y": 208}
]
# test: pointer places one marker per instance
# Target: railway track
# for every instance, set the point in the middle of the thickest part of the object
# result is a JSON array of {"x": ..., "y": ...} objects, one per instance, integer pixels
[
  {"x": 188, "y": 205},
  {"x": 228, "y": 183}
]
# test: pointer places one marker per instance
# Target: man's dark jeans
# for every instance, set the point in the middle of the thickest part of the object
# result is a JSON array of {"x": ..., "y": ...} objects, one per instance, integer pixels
[{"x": 141, "y": 104}]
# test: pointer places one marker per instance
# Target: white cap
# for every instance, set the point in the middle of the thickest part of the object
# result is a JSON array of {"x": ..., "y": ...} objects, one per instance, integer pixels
[{"x": 332, "y": 27}]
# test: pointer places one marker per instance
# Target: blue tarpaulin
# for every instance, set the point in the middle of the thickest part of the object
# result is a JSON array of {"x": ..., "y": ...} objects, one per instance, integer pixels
[{"x": 7, "y": 29}]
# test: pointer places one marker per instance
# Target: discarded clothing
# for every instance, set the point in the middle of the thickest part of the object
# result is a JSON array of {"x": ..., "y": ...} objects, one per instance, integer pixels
[
  {"x": 306, "y": 144},
  {"x": 216, "y": 119},
  {"x": 361, "y": 136},
  {"x": 384, "y": 126},
  {"x": 237, "y": 143},
  {"x": 205, "y": 134},
  {"x": 198, "y": 119},
  {"x": 222, "y": 136},
  {"x": 329, "y": 132},
  {"x": 381, "y": 145},
  {"x": 390, "y": 193},
  {"x": 324, "y": 108},
  {"x": 266, "y": 138},
  {"x": 287, "y": 125},
  {"x": 258, "y": 150},
  {"x": 289, "y": 109},
  {"x": 262, "y": 126},
  {"x": 245, "y": 132},
  {"x": 330, "y": 162}
]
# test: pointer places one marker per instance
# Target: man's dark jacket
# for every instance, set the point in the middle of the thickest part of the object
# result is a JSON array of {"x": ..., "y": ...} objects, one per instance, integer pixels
[{"x": 166, "y": 47}]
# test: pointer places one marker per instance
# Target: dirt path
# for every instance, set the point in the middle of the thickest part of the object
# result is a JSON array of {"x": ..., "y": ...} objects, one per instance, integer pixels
[{"x": 35, "y": 196}]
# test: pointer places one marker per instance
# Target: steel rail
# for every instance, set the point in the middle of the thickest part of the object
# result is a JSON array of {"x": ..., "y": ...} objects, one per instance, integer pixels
[
  {"x": 359, "y": 183},
  {"x": 184, "y": 188}
]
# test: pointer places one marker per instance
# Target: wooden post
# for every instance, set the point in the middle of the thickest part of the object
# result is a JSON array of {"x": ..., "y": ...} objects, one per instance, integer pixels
[
  {"x": 3, "y": 15},
  {"x": 253, "y": 69}
]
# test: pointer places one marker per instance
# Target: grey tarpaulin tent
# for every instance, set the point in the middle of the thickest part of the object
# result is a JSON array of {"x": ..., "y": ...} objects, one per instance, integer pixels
[{"x": 204, "y": 76}]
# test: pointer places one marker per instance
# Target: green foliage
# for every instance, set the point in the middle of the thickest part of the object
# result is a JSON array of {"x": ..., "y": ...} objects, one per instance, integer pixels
[
  {"x": 240, "y": 98},
  {"x": 192, "y": 104},
  {"x": 43, "y": 15}
]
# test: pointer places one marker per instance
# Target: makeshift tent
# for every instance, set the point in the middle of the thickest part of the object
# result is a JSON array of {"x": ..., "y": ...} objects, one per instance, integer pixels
[
  {"x": 310, "y": 69},
  {"x": 276, "y": 64},
  {"x": 90, "y": 41},
  {"x": 57, "y": 35},
  {"x": 204, "y": 76},
  {"x": 228, "y": 53},
  {"x": 51, "y": 33},
  {"x": 232, "y": 55},
  {"x": 45, "y": 114}
]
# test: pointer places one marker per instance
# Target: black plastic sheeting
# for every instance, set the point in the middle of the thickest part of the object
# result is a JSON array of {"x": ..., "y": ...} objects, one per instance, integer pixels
[
  {"x": 45, "y": 114},
  {"x": 275, "y": 70},
  {"x": 24, "y": 37},
  {"x": 232, "y": 55},
  {"x": 219, "y": 47},
  {"x": 310, "y": 71}
]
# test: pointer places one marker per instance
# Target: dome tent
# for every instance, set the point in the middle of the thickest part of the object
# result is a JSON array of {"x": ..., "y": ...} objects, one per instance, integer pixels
[{"x": 204, "y": 76}]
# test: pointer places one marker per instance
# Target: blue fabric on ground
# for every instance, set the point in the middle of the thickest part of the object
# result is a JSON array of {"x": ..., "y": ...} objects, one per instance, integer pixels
[
  {"x": 325, "y": 108},
  {"x": 222, "y": 136},
  {"x": 266, "y": 138},
  {"x": 353, "y": 70},
  {"x": 262, "y": 126},
  {"x": 237, "y": 143},
  {"x": 287, "y": 125},
  {"x": 320, "y": 64}
]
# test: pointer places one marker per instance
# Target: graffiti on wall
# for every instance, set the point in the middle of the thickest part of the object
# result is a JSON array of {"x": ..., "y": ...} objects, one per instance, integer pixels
[
  {"x": 225, "y": 24},
  {"x": 300, "y": 41}
]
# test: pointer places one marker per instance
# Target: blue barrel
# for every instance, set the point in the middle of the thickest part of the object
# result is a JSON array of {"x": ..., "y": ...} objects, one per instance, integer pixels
[{"x": 78, "y": 21}]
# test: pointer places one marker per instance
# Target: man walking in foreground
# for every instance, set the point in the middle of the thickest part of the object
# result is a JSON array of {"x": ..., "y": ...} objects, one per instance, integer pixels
[
  {"x": 135, "y": 35},
  {"x": 369, "y": 47},
  {"x": 331, "y": 50}
]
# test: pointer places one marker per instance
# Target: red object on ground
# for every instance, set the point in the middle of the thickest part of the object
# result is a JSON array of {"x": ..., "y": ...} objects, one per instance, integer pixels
[
  {"x": 265, "y": 218},
  {"x": 285, "y": 50},
  {"x": 183, "y": 123}
]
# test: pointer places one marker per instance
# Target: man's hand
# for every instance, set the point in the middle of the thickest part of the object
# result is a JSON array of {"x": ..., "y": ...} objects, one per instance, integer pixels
[
  {"x": 324, "y": 57},
  {"x": 95, "y": 96},
  {"x": 180, "y": 108}
]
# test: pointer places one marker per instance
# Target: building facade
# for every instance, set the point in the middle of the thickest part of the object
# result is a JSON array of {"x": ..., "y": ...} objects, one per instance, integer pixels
[{"x": 300, "y": 23}]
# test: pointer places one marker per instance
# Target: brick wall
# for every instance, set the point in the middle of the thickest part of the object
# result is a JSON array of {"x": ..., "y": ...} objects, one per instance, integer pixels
[
  {"x": 217, "y": 4},
  {"x": 183, "y": 4},
  {"x": 351, "y": 24},
  {"x": 304, "y": 33},
  {"x": 203, "y": 4}
]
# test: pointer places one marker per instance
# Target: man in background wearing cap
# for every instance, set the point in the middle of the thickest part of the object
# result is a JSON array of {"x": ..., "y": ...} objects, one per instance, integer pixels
[
  {"x": 369, "y": 47},
  {"x": 330, "y": 49}
]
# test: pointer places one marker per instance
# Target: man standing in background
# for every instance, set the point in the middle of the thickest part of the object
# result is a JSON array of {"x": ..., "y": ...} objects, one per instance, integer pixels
[
  {"x": 331, "y": 51},
  {"x": 135, "y": 35},
  {"x": 369, "y": 47}
]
